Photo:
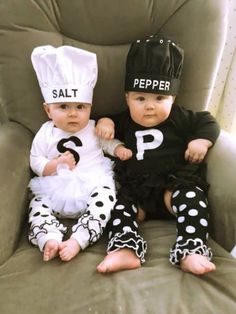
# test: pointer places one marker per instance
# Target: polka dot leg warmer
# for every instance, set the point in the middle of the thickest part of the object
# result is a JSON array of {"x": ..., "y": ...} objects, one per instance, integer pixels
[
  {"x": 44, "y": 225},
  {"x": 91, "y": 224},
  {"x": 191, "y": 208},
  {"x": 123, "y": 230}
]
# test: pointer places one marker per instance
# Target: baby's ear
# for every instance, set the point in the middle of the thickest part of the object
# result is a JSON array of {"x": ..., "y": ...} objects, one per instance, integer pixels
[
  {"x": 126, "y": 97},
  {"x": 46, "y": 108}
]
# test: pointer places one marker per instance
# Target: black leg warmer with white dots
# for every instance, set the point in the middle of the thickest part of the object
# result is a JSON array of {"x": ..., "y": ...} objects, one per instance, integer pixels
[
  {"x": 123, "y": 229},
  {"x": 191, "y": 208}
]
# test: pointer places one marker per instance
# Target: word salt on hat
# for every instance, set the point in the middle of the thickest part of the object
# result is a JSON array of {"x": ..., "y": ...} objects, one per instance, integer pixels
[
  {"x": 65, "y": 74},
  {"x": 154, "y": 65}
]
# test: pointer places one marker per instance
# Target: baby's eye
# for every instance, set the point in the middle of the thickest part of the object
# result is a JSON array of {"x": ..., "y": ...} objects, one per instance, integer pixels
[
  {"x": 63, "y": 106},
  {"x": 160, "y": 97},
  {"x": 80, "y": 106},
  {"x": 140, "y": 98}
]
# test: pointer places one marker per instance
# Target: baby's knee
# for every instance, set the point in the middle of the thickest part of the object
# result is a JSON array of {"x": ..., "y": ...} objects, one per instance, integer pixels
[{"x": 167, "y": 201}]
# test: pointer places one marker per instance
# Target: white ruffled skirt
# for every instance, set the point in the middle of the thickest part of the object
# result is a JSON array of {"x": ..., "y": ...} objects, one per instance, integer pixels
[{"x": 69, "y": 191}]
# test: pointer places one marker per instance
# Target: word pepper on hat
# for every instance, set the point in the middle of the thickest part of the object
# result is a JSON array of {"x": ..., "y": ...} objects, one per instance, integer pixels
[
  {"x": 65, "y": 74},
  {"x": 154, "y": 65}
]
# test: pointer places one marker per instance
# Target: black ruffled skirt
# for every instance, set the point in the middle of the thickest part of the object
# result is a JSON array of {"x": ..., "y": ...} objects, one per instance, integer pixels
[{"x": 146, "y": 189}]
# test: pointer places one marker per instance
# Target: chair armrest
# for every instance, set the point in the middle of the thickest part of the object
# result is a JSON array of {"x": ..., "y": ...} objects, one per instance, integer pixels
[
  {"x": 15, "y": 142},
  {"x": 222, "y": 194}
]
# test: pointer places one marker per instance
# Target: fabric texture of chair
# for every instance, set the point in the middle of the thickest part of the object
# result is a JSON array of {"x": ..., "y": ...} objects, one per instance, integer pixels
[{"x": 107, "y": 28}]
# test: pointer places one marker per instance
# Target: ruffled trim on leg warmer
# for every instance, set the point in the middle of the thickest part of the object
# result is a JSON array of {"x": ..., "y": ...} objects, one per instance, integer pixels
[
  {"x": 190, "y": 247},
  {"x": 130, "y": 240}
]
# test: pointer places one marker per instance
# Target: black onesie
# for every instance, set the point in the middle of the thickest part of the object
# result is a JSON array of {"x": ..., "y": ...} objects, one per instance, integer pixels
[{"x": 158, "y": 165}]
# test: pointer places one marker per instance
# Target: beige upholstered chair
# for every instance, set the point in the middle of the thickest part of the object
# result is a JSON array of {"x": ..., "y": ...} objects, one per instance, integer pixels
[{"x": 27, "y": 284}]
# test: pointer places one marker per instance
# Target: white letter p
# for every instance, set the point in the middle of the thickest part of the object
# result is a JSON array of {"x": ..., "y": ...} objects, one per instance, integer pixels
[{"x": 142, "y": 146}]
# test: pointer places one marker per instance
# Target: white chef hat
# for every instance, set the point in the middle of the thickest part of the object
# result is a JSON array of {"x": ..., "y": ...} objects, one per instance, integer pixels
[{"x": 65, "y": 74}]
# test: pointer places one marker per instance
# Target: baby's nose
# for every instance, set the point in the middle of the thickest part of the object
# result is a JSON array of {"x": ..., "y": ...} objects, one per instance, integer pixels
[
  {"x": 72, "y": 111},
  {"x": 150, "y": 105}
]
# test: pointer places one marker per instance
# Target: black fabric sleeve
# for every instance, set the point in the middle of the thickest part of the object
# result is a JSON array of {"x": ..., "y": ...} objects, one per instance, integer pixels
[
  {"x": 120, "y": 121},
  {"x": 196, "y": 124}
]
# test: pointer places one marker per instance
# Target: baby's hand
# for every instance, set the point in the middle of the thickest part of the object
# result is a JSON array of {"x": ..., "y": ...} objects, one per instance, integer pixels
[
  {"x": 67, "y": 158},
  {"x": 197, "y": 150},
  {"x": 122, "y": 152},
  {"x": 105, "y": 128}
]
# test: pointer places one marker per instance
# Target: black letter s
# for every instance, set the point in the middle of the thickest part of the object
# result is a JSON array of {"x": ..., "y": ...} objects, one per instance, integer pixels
[{"x": 62, "y": 149}]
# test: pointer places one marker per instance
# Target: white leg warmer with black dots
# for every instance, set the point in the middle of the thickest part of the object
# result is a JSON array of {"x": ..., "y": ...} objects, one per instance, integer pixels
[
  {"x": 44, "y": 225},
  {"x": 123, "y": 229},
  {"x": 91, "y": 224},
  {"x": 191, "y": 208}
]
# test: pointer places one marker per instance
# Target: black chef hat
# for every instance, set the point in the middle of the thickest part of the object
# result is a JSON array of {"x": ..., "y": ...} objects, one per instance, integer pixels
[{"x": 154, "y": 65}]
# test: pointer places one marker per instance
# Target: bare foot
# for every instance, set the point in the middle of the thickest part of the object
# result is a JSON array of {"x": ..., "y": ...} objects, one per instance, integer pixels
[
  {"x": 119, "y": 260},
  {"x": 197, "y": 264},
  {"x": 141, "y": 215},
  {"x": 50, "y": 251},
  {"x": 68, "y": 249}
]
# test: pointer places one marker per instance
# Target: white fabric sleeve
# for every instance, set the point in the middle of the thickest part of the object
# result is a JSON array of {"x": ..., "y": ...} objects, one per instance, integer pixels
[
  {"x": 233, "y": 252},
  {"x": 38, "y": 160},
  {"x": 109, "y": 146}
]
